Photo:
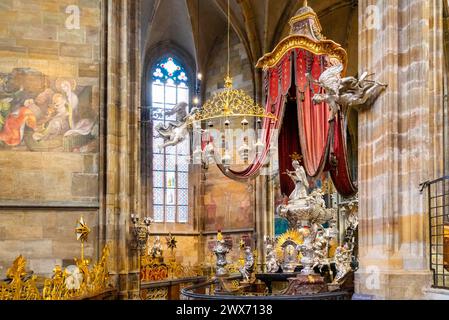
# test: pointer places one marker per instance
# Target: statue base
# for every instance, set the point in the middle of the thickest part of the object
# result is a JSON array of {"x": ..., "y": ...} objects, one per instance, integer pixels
[{"x": 305, "y": 285}]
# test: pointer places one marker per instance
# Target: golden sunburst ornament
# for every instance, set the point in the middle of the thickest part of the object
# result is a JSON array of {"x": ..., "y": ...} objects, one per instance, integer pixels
[
  {"x": 296, "y": 156},
  {"x": 82, "y": 230},
  {"x": 293, "y": 235},
  {"x": 171, "y": 242}
]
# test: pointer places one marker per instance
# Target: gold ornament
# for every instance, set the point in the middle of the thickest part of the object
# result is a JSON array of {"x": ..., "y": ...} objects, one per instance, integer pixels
[
  {"x": 305, "y": 34},
  {"x": 155, "y": 294},
  {"x": 296, "y": 156},
  {"x": 230, "y": 102},
  {"x": 325, "y": 47},
  {"x": 82, "y": 230},
  {"x": 171, "y": 242},
  {"x": 19, "y": 288},
  {"x": 94, "y": 282},
  {"x": 293, "y": 235}
]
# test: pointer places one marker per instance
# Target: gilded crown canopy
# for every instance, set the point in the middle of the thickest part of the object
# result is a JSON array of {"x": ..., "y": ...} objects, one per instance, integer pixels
[{"x": 305, "y": 33}]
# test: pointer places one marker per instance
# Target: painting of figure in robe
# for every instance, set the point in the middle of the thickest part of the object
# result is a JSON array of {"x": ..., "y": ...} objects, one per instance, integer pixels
[{"x": 38, "y": 113}]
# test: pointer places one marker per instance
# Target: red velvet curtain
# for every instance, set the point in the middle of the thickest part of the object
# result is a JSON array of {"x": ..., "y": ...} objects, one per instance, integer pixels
[
  {"x": 288, "y": 144},
  {"x": 323, "y": 144},
  {"x": 339, "y": 165},
  {"x": 312, "y": 119}
]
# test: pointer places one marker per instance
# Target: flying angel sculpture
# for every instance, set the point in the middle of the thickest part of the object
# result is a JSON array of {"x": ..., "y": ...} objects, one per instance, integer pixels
[
  {"x": 343, "y": 93},
  {"x": 175, "y": 132}
]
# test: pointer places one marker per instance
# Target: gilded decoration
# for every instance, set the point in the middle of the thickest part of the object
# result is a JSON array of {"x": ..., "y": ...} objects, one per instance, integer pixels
[
  {"x": 156, "y": 294},
  {"x": 20, "y": 286},
  {"x": 230, "y": 103},
  {"x": 154, "y": 267},
  {"x": 324, "y": 47},
  {"x": 304, "y": 19},
  {"x": 305, "y": 34},
  {"x": 293, "y": 235},
  {"x": 65, "y": 284},
  {"x": 157, "y": 270}
]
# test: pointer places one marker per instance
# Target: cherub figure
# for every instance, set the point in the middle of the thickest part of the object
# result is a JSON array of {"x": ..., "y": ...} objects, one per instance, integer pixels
[
  {"x": 176, "y": 131},
  {"x": 342, "y": 93},
  {"x": 342, "y": 262},
  {"x": 320, "y": 247},
  {"x": 156, "y": 250},
  {"x": 248, "y": 266},
  {"x": 271, "y": 260}
]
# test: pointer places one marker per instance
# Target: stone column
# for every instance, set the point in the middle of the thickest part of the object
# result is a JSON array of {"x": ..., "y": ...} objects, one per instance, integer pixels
[
  {"x": 264, "y": 214},
  {"x": 122, "y": 94},
  {"x": 400, "y": 143}
]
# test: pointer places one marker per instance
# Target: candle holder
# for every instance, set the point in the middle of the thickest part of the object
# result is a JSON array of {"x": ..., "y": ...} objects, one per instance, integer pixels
[{"x": 141, "y": 231}]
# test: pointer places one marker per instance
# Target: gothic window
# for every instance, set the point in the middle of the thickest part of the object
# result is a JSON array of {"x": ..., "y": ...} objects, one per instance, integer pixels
[{"x": 169, "y": 86}]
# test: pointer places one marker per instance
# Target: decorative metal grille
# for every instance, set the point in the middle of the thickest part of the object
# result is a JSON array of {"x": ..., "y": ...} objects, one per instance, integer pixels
[{"x": 438, "y": 202}]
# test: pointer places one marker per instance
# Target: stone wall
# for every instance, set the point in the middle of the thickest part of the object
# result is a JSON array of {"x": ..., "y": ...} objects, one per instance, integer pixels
[
  {"x": 241, "y": 71},
  {"x": 187, "y": 248},
  {"x": 49, "y": 179},
  {"x": 226, "y": 205},
  {"x": 45, "y": 237}
]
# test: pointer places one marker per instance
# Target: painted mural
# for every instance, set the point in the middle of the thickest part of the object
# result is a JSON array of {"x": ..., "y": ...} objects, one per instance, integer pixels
[
  {"x": 41, "y": 114},
  {"x": 228, "y": 210}
]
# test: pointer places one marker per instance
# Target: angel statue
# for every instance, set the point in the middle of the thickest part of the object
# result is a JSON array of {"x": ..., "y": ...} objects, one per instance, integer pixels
[
  {"x": 342, "y": 93},
  {"x": 343, "y": 256},
  {"x": 248, "y": 266},
  {"x": 300, "y": 179},
  {"x": 156, "y": 250},
  {"x": 271, "y": 260},
  {"x": 175, "y": 132},
  {"x": 321, "y": 251}
]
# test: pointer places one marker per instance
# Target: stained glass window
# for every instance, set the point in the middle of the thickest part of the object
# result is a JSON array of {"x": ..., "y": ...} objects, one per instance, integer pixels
[{"x": 169, "y": 86}]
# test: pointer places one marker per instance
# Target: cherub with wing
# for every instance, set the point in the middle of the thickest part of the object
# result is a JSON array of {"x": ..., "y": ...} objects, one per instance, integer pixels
[
  {"x": 176, "y": 131},
  {"x": 342, "y": 93}
]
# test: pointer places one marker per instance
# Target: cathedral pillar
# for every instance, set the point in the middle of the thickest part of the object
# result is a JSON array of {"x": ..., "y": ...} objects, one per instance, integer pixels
[
  {"x": 400, "y": 143},
  {"x": 264, "y": 211},
  {"x": 121, "y": 141}
]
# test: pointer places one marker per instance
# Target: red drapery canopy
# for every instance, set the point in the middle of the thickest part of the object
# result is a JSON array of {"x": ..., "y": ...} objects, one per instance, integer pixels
[{"x": 321, "y": 143}]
